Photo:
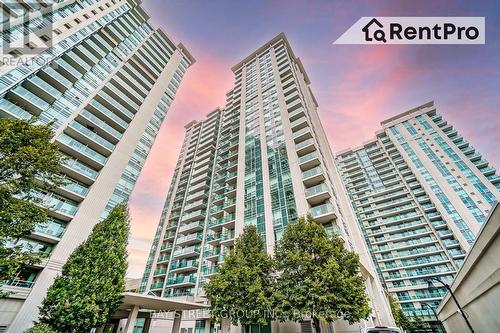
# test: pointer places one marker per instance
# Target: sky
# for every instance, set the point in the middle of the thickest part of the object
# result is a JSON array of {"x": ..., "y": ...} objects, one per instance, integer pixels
[{"x": 357, "y": 86}]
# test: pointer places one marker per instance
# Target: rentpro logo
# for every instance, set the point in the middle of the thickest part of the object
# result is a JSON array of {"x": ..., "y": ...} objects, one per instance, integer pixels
[{"x": 415, "y": 30}]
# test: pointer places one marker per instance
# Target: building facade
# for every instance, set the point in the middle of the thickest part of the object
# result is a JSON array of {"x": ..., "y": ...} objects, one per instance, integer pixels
[
  {"x": 420, "y": 193},
  {"x": 105, "y": 79},
  {"x": 262, "y": 160}
]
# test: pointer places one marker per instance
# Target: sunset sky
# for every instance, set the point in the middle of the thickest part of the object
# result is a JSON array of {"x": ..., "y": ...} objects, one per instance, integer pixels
[{"x": 357, "y": 86}]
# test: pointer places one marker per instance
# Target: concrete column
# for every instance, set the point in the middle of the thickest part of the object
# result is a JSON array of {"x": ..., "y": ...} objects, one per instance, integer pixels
[
  {"x": 176, "y": 327},
  {"x": 129, "y": 328}
]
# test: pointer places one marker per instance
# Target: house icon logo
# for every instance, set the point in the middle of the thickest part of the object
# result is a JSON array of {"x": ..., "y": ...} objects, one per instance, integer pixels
[{"x": 378, "y": 34}]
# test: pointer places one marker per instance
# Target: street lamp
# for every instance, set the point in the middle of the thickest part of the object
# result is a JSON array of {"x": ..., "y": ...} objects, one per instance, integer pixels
[
  {"x": 435, "y": 315},
  {"x": 430, "y": 285}
]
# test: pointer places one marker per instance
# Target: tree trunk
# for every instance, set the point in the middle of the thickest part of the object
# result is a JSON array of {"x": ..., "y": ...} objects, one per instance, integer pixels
[{"x": 316, "y": 324}]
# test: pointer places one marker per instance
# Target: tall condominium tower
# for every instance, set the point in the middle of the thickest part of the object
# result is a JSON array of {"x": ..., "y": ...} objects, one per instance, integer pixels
[
  {"x": 262, "y": 160},
  {"x": 106, "y": 79},
  {"x": 421, "y": 193}
]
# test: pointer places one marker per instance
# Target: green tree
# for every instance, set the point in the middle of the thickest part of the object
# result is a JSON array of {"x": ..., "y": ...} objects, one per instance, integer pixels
[
  {"x": 29, "y": 162},
  {"x": 89, "y": 290},
  {"x": 242, "y": 290},
  {"x": 40, "y": 328},
  {"x": 413, "y": 325},
  {"x": 317, "y": 276}
]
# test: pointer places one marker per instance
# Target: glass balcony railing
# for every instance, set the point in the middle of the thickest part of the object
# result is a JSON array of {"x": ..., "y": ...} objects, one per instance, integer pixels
[
  {"x": 226, "y": 219},
  {"x": 51, "y": 228},
  {"x": 47, "y": 88},
  {"x": 161, "y": 271},
  {"x": 308, "y": 157},
  {"x": 157, "y": 285},
  {"x": 187, "y": 250},
  {"x": 187, "y": 279},
  {"x": 184, "y": 264},
  {"x": 312, "y": 172},
  {"x": 190, "y": 226},
  {"x": 304, "y": 143},
  {"x": 98, "y": 122},
  {"x": 191, "y": 237},
  {"x": 91, "y": 135},
  {"x": 321, "y": 210},
  {"x": 78, "y": 146},
  {"x": 61, "y": 205},
  {"x": 81, "y": 168},
  {"x": 301, "y": 132},
  {"x": 108, "y": 113},
  {"x": 320, "y": 188},
  {"x": 76, "y": 188},
  {"x": 31, "y": 98},
  {"x": 13, "y": 110}
]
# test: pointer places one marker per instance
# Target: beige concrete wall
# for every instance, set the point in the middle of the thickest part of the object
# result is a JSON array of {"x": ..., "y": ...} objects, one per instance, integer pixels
[{"x": 477, "y": 284}]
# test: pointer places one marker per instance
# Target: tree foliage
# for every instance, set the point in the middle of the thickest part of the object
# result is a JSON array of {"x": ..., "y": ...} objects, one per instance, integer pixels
[
  {"x": 242, "y": 290},
  {"x": 89, "y": 290},
  {"x": 40, "y": 328},
  {"x": 410, "y": 325},
  {"x": 317, "y": 276},
  {"x": 29, "y": 161}
]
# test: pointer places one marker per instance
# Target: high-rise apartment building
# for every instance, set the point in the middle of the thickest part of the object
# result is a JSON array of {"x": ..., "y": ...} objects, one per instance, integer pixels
[
  {"x": 105, "y": 79},
  {"x": 263, "y": 160},
  {"x": 420, "y": 192}
]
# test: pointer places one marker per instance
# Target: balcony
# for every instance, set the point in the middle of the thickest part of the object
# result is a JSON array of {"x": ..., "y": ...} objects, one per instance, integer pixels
[
  {"x": 187, "y": 252},
  {"x": 10, "y": 110},
  {"x": 323, "y": 213},
  {"x": 299, "y": 124},
  {"x": 86, "y": 118},
  {"x": 161, "y": 271},
  {"x": 309, "y": 161},
  {"x": 163, "y": 258},
  {"x": 184, "y": 266},
  {"x": 42, "y": 89},
  {"x": 81, "y": 151},
  {"x": 54, "y": 230},
  {"x": 169, "y": 235},
  {"x": 92, "y": 139},
  {"x": 189, "y": 239},
  {"x": 313, "y": 176},
  {"x": 27, "y": 100},
  {"x": 167, "y": 246},
  {"x": 80, "y": 171},
  {"x": 227, "y": 221},
  {"x": 73, "y": 190},
  {"x": 110, "y": 117},
  {"x": 296, "y": 114},
  {"x": 302, "y": 134},
  {"x": 63, "y": 209},
  {"x": 196, "y": 215},
  {"x": 182, "y": 281},
  {"x": 317, "y": 194},
  {"x": 305, "y": 147},
  {"x": 227, "y": 237},
  {"x": 156, "y": 285},
  {"x": 210, "y": 270},
  {"x": 195, "y": 226}
]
